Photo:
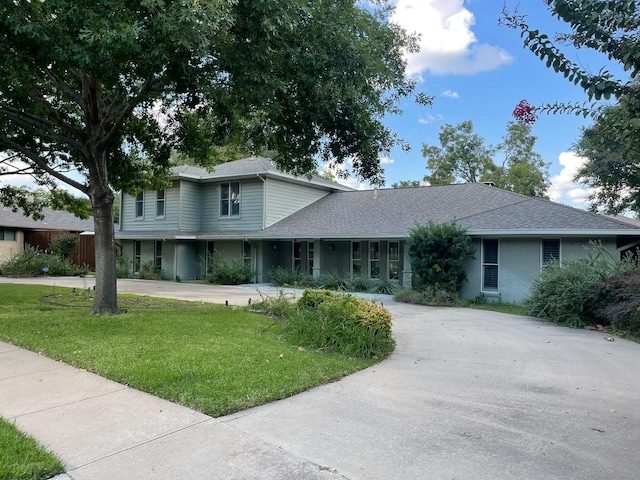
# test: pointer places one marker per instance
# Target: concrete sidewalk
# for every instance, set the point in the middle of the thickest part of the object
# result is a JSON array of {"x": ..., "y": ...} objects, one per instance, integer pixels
[{"x": 467, "y": 395}]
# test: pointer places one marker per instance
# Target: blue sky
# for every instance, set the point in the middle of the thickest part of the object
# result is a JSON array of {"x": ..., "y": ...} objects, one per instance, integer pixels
[{"x": 478, "y": 70}]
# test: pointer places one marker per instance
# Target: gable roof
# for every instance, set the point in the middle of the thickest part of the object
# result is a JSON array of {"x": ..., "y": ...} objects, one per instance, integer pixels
[
  {"x": 53, "y": 220},
  {"x": 250, "y": 167},
  {"x": 481, "y": 209}
]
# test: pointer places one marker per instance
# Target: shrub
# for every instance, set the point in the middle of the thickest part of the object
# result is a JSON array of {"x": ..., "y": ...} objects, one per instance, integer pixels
[
  {"x": 432, "y": 296},
  {"x": 566, "y": 293},
  {"x": 386, "y": 287},
  {"x": 332, "y": 281},
  {"x": 438, "y": 254},
  {"x": 616, "y": 301},
  {"x": 149, "y": 271},
  {"x": 281, "y": 307},
  {"x": 228, "y": 271},
  {"x": 64, "y": 244},
  {"x": 31, "y": 261},
  {"x": 341, "y": 323},
  {"x": 123, "y": 266},
  {"x": 358, "y": 284},
  {"x": 282, "y": 277}
]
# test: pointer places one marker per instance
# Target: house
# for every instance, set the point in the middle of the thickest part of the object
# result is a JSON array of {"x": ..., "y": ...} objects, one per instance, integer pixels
[
  {"x": 17, "y": 231},
  {"x": 249, "y": 209}
]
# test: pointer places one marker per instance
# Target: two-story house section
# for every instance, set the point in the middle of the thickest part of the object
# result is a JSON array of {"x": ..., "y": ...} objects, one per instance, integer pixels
[{"x": 223, "y": 210}]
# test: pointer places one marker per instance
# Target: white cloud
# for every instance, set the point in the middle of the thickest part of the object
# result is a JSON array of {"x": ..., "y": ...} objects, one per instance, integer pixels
[
  {"x": 563, "y": 188},
  {"x": 451, "y": 94},
  {"x": 447, "y": 43},
  {"x": 429, "y": 119},
  {"x": 386, "y": 161}
]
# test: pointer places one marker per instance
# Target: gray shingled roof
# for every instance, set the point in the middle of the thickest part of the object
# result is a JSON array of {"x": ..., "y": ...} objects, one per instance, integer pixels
[
  {"x": 250, "y": 167},
  {"x": 477, "y": 207},
  {"x": 53, "y": 220}
]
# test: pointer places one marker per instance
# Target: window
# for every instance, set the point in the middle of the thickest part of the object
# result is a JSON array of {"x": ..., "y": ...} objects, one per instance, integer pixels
[
  {"x": 230, "y": 199},
  {"x": 137, "y": 250},
  {"x": 246, "y": 253},
  {"x": 7, "y": 234},
  {"x": 158, "y": 254},
  {"x": 393, "y": 260},
  {"x": 374, "y": 259},
  {"x": 160, "y": 203},
  {"x": 310, "y": 256},
  {"x": 490, "y": 264},
  {"x": 550, "y": 251},
  {"x": 140, "y": 205},
  {"x": 297, "y": 256},
  {"x": 356, "y": 258}
]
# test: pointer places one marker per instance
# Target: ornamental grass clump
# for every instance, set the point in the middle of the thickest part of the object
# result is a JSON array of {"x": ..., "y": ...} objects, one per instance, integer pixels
[{"x": 341, "y": 323}]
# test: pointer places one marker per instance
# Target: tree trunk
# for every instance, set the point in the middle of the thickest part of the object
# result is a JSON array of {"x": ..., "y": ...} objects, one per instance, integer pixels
[{"x": 106, "y": 295}]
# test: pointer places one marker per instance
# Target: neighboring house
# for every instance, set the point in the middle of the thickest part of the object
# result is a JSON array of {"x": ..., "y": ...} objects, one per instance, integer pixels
[
  {"x": 17, "y": 231},
  {"x": 249, "y": 209}
]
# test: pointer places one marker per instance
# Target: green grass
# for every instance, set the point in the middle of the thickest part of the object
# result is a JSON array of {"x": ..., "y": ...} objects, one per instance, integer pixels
[
  {"x": 21, "y": 458},
  {"x": 502, "y": 308},
  {"x": 213, "y": 359}
]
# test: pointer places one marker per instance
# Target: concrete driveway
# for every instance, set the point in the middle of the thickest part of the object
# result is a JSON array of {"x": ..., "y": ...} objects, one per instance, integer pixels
[{"x": 467, "y": 395}]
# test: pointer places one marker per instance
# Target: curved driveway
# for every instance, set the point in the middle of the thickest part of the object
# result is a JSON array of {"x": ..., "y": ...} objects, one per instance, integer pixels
[{"x": 467, "y": 394}]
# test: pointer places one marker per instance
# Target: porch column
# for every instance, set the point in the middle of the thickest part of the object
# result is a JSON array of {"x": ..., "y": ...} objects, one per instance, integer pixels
[
  {"x": 406, "y": 267},
  {"x": 317, "y": 257}
]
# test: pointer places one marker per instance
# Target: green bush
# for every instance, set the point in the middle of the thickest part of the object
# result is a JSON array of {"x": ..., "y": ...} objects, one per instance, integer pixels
[
  {"x": 438, "y": 254},
  {"x": 123, "y": 266},
  {"x": 31, "y": 261},
  {"x": 332, "y": 281},
  {"x": 224, "y": 271},
  {"x": 341, "y": 323},
  {"x": 282, "y": 277},
  {"x": 149, "y": 271},
  {"x": 386, "y": 287},
  {"x": 616, "y": 301},
  {"x": 566, "y": 293},
  {"x": 432, "y": 296}
]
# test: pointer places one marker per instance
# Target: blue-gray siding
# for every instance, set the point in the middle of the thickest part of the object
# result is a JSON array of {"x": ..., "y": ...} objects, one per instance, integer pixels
[
  {"x": 283, "y": 198},
  {"x": 190, "y": 205},
  {"x": 251, "y": 212}
]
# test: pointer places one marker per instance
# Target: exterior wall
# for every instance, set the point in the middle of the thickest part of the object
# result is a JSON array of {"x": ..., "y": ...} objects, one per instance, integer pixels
[
  {"x": 281, "y": 199},
  {"x": 251, "y": 208},
  {"x": 10, "y": 248},
  {"x": 519, "y": 262},
  {"x": 187, "y": 260},
  {"x": 149, "y": 221},
  {"x": 190, "y": 203}
]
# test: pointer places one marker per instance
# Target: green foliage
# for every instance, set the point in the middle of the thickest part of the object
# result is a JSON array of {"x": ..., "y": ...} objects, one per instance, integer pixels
[
  {"x": 149, "y": 271},
  {"x": 429, "y": 295},
  {"x": 406, "y": 184},
  {"x": 385, "y": 287},
  {"x": 464, "y": 156},
  {"x": 282, "y": 277},
  {"x": 565, "y": 293},
  {"x": 341, "y": 323},
  {"x": 123, "y": 266},
  {"x": 438, "y": 254},
  {"x": 22, "y": 458},
  {"x": 226, "y": 271},
  {"x": 332, "y": 281},
  {"x": 82, "y": 89},
  {"x": 616, "y": 301},
  {"x": 31, "y": 261},
  {"x": 64, "y": 245},
  {"x": 612, "y": 147}
]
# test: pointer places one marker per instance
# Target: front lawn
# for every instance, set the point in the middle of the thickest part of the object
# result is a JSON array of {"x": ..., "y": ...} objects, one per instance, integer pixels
[
  {"x": 21, "y": 458},
  {"x": 213, "y": 359}
]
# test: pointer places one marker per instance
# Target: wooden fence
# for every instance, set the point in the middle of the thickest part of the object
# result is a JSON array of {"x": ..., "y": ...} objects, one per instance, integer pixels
[{"x": 84, "y": 254}]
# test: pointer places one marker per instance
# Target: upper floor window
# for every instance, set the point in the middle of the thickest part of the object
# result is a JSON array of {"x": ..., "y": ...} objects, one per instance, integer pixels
[
  {"x": 230, "y": 199},
  {"x": 160, "y": 203},
  {"x": 550, "y": 250},
  {"x": 140, "y": 205},
  {"x": 7, "y": 234}
]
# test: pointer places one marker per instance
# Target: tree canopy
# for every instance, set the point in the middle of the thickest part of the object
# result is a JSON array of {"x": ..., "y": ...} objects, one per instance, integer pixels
[
  {"x": 612, "y": 144},
  {"x": 98, "y": 96},
  {"x": 464, "y": 156}
]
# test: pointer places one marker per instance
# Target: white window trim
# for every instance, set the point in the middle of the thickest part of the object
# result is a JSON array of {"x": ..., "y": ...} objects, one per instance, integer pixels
[
  {"x": 482, "y": 265},
  {"x": 352, "y": 259},
  {"x": 229, "y": 216},
  {"x": 389, "y": 242},
  {"x": 370, "y": 260}
]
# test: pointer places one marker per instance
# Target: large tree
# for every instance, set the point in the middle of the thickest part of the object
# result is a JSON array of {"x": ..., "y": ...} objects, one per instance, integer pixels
[
  {"x": 464, "y": 156},
  {"x": 612, "y": 144},
  {"x": 98, "y": 95}
]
